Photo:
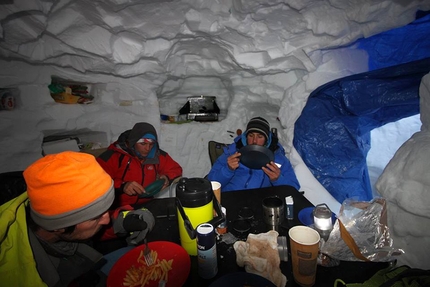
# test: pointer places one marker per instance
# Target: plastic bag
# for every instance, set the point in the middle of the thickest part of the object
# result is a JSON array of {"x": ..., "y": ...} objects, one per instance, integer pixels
[{"x": 361, "y": 233}]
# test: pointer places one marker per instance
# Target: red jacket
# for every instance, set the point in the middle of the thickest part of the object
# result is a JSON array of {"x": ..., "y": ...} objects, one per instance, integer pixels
[
  {"x": 123, "y": 164},
  {"x": 123, "y": 167}
]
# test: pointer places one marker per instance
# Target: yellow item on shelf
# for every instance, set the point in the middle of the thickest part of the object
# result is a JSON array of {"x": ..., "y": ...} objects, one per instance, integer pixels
[{"x": 66, "y": 97}]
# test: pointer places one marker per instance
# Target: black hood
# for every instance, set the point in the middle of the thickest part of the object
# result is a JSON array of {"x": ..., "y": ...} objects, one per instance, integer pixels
[
  {"x": 128, "y": 139},
  {"x": 138, "y": 131}
]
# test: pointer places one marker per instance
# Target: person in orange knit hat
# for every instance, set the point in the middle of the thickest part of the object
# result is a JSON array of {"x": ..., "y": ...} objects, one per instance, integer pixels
[{"x": 43, "y": 231}]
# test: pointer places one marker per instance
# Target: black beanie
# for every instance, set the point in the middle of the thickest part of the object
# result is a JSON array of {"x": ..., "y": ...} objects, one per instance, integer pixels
[{"x": 260, "y": 125}]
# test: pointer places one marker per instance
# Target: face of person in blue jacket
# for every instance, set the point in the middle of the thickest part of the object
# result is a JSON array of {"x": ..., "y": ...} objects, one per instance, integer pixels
[
  {"x": 144, "y": 148},
  {"x": 255, "y": 138}
]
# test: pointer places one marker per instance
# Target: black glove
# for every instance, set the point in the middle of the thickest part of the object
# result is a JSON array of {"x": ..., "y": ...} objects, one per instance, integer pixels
[{"x": 137, "y": 223}]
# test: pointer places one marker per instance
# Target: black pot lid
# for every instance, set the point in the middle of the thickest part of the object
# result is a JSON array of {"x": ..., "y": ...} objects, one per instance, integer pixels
[
  {"x": 255, "y": 156},
  {"x": 246, "y": 213},
  {"x": 241, "y": 225}
]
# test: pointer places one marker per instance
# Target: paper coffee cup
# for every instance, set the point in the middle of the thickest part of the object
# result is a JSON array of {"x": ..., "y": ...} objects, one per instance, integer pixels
[
  {"x": 304, "y": 246},
  {"x": 216, "y": 187}
]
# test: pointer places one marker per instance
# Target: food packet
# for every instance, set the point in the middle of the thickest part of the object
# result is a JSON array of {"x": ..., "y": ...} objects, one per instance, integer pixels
[{"x": 361, "y": 233}]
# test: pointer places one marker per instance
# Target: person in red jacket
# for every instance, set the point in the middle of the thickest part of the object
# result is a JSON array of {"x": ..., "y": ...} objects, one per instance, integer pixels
[{"x": 135, "y": 161}]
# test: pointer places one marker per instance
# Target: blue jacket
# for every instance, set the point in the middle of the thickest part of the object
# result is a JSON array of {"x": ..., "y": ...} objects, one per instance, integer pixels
[{"x": 246, "y": 178}]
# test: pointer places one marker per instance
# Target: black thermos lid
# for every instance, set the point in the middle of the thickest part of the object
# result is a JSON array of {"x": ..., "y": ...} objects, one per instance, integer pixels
[{"x": 194, "y": 192}]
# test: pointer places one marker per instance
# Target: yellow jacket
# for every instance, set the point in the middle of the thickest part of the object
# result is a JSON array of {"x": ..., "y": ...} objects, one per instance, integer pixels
[{"x": 17, "y": 265}]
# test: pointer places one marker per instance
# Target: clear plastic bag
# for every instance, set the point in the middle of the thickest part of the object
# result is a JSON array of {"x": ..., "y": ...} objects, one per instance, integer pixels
[{"x": 360, "y": 233}]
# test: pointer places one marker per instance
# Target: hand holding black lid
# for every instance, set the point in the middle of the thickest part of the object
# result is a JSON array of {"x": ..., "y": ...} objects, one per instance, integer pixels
[
  {"x": 254, "y": 160},
  {"x": 254, "y": 153}
]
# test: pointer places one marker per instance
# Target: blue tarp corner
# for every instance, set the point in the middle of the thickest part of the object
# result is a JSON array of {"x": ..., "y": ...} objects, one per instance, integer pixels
[{"x": 332, "y": 134}]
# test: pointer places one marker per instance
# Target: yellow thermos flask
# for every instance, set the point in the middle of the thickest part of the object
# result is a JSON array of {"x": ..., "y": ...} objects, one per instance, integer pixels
[{"x": 195, "y": 202}]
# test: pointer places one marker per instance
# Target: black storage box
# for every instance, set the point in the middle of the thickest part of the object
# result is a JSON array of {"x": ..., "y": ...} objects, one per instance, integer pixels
[{"x": 201, "y": 108}]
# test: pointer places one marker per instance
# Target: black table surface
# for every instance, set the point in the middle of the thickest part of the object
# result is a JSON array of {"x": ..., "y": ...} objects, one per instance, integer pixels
[{"x": 166, "y": 228}]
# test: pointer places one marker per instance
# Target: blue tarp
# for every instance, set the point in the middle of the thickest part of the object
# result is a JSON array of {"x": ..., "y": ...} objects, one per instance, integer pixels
[
  {"x": 332, "y": 134},
  {"x": 401, "y": 45}
]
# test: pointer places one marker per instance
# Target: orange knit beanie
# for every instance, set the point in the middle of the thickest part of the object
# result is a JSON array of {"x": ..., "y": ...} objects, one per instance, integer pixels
[{"x": 66, "y": 189}]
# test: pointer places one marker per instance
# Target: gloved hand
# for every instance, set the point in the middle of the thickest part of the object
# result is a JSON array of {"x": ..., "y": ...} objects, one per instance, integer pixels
[{"x": 137, "y": 223}]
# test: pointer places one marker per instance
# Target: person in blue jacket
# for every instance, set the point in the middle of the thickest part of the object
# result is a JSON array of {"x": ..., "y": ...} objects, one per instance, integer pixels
[{"x": 233, "y": 175}]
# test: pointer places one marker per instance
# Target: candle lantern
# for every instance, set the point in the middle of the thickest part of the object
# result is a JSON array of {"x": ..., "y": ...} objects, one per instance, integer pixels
[{"x": 323, "y": 220}]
